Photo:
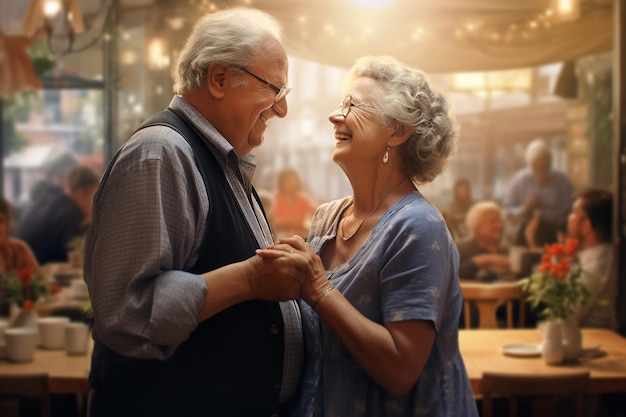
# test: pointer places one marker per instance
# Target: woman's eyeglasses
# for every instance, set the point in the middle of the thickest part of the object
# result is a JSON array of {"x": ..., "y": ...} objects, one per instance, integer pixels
[
  {"x": 280, "y": 92},
  {"x": 347, "y": 104}
]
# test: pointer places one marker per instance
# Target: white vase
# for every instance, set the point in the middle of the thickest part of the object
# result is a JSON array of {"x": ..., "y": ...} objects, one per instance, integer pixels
[
  {"x": 25, "y": 319},
  {"x": 572, "y": 339},
  {"x": 552, "y": 344}
]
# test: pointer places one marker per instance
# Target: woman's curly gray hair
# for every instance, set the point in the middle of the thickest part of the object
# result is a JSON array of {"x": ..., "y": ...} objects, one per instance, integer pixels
[
  {"x": 407, "y": 99},
  {"x": 232, "y": 36}
]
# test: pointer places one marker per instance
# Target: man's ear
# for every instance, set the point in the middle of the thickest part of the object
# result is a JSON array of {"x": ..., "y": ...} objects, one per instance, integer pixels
[{"x": 216, "y": 79}]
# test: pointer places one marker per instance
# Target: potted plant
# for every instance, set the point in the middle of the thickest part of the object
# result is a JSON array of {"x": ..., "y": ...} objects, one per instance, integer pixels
[
  {"x": 554, "y": 289},
  {"x": 23, "y": 288}
]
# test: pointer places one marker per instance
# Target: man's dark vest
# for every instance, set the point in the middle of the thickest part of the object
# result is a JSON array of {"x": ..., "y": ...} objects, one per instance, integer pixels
[{"x": 231, "y": 365}]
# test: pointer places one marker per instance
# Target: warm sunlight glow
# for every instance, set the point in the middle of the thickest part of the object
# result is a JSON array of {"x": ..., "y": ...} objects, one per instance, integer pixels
[
  {"x": 372, "y": 3},
  {"x": 158, "y": 57}
]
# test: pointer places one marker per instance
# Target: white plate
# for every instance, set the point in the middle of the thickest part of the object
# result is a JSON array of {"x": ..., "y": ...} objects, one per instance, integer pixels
[{"x": 523, "y": 350}]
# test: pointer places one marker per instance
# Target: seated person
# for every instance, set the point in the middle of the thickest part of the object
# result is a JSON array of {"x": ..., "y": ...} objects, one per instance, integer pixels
[
  {"x": 59, "y": 216},
  {"x": 591, "y": 223},
  {"x": 15, "y": 254},
  {"x": 456, "y": 212},
  {"x": 483, "y": 255},
  {"x": 291, "y": 208}
]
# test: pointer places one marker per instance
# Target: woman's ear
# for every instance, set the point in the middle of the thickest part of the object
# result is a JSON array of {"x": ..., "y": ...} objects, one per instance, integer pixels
[
  {"x": 216, "y": 79},
  {"x": 400, "y": 134}
]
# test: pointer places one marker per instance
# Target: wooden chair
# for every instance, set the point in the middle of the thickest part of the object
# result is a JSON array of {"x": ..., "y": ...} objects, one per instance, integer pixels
[
  {"x": 544, "y": 391},
  {"x": 487, "y": 297},
  {"x": 14, "y": 388}
]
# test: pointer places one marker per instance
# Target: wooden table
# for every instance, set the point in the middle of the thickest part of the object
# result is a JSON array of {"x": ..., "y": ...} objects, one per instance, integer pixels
[
  {"x": 67, "y": 374},
  {"x": 481, "y": 351}
]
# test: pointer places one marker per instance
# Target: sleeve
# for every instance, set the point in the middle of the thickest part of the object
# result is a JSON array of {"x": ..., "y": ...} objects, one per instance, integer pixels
[
  {"x": 419, "y": 264},
  {"x": 596, "y": 277},
  {"x": 148, "y": 222}
]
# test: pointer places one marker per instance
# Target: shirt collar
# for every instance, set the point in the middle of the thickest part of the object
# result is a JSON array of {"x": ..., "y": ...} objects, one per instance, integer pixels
[
  {"x": 244, "y": 167},
  {"x": 593, "y": 252}
]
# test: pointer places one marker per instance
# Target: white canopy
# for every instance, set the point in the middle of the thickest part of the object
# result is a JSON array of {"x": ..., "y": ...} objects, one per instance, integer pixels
[
  {"x": 437, "y": 36},
  {"x": 441, "y": 35}
]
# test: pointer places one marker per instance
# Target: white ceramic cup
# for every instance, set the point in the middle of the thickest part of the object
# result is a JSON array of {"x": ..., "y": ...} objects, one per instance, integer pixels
[
  {"x": 516, "y": 254},
  {"x": 76, "y": 338},
  {"x": 78, "y": 289},
  {"x": 52, "y": 332},
  {"x": 21, "y": 343}
]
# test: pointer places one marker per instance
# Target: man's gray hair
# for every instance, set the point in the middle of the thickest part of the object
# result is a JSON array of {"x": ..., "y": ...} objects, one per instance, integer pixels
[
  {"x": 537, "y": 149},
  {"x": 232, "y": 36}
]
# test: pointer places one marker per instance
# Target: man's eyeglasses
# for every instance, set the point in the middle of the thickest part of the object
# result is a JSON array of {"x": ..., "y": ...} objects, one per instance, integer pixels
[
  {"x": 280, "y": 92},
  {"x": 346, "y": 106}
]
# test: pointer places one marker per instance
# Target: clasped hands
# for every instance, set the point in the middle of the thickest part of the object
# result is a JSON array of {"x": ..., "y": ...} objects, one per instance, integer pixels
[{"x": 305, "y": 274}]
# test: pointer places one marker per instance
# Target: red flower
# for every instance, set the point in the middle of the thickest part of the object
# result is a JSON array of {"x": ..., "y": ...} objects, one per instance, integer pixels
[
  {"x": 560, "y": 268},
  {"x": 25, "y": 276},
  {"x": 27, "y": 306},
  {"x": 570, "y": 246},
  {"x": 555, "y": 287}
]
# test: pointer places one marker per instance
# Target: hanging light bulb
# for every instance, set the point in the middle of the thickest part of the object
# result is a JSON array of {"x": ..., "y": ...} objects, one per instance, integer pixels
[
  {"x": 51, "y": 8},
  {"x": 566, "y": 9}
]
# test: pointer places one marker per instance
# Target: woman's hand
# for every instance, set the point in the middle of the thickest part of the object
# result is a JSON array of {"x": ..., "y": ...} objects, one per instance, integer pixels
[{"x": 316, "y": 281}]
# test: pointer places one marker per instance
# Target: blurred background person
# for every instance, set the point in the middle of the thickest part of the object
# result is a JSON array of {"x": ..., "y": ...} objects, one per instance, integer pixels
[
  {"x": 540, "y": 193},
  {"x": 59, "y": 215},
  {"x": 14, "y": 253},
  {"x": 456, "y": 211},
  {"x": 53, "y": 172},
  {"x": 483, "y": 254},
  {"x": 291, "y": 208},
  {"x": 590, "y": 222}
]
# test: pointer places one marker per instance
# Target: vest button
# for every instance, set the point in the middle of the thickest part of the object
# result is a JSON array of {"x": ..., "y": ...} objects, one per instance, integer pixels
[{"x": 274, "y": 329}]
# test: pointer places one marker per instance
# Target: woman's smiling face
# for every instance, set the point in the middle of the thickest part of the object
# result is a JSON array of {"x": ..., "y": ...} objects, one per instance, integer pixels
[{"x": 360, "y": 135}]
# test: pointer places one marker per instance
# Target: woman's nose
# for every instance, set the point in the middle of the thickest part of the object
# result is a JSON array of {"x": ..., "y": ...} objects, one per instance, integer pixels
[{"x": 336, "y": 116}]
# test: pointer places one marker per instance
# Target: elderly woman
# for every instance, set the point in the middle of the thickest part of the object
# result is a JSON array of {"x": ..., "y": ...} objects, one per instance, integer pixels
[
  {"x": 382, "y": 300},
  {"x": 483, "y": 254}
]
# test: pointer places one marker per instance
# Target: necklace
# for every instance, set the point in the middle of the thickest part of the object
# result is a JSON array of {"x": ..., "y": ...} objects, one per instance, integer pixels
[{"x": 343, "y": 233}]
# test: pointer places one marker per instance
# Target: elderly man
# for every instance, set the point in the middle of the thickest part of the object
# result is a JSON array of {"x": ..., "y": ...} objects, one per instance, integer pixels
[
  {"x": 591, "y": 223},
  {"x": 189, "y": 321},
  {"x": 538, "y": 192}
]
